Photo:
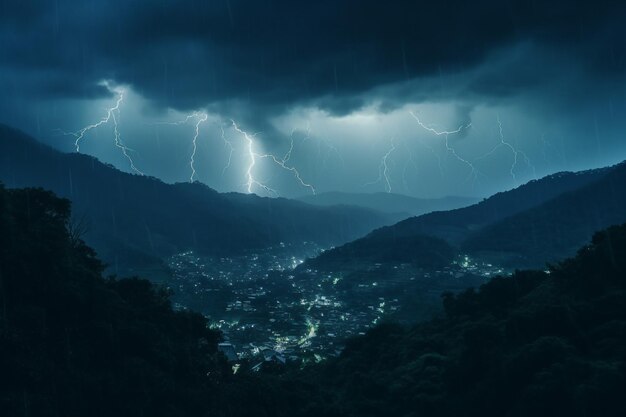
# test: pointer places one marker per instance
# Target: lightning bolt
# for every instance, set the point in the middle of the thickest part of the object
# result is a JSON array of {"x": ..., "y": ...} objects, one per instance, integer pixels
[
  {"x": 124, "y": 148},
  {"x": 199, "y": 117},
  {"x": 199, "y": 120},
  {"x": 251, "y": 181},
  {"x": 281, "y": 162},
  {"x": 109, "y": 117},
  {"x": 383, "y": 169},
  {"x": 516, "y": 153},
  {"x": 446, "y": 134},
  {"x": 180, "y": 122},
  {"x": 436, "y": 132}
]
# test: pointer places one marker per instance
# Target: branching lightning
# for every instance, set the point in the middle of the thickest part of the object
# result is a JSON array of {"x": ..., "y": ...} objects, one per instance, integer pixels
[
  {"x": 281, "y": 162},
  {"x": 199, "y": 120},
  {"x": 110, "y": 117},
  {"x": 516, "y": 153},
  {"x": 446, "y": 134},
  {"x": 253, "y": 156},
  {"x": 124, "y": 148},
  {"x": 436, "y": 132},
  {"x": 199, "y": 117},
  {"x": 297, "y": 138},
  {"x": 251, "y": 180}
]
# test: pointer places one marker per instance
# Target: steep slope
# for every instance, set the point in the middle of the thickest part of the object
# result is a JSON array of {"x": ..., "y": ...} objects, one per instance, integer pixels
[
  {"x": 389, "y": 202},
  {"x": 132, "y": 218}
]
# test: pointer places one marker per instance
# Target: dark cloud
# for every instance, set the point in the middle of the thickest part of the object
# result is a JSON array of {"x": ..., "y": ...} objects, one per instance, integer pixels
[
  {"x": 555, "y": 71},
  {"x": 277, "y": 53}
]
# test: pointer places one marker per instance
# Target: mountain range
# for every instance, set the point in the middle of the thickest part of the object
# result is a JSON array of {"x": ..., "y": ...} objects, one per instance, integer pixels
[
  {"x": 541, "y": 221},
  {"x": 134, "y": 221}
]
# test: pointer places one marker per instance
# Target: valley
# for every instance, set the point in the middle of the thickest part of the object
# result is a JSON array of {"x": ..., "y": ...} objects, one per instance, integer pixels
[
  {"x": 312, "y": 209},
  {"x": 271, "y": 300}
]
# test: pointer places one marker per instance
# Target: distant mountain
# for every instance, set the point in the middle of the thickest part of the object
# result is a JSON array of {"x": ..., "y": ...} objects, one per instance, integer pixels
[
  {"x": 389, "y": 202},
  {"x": 539, "y": 221},
  {"x": 134, "y": 220}
]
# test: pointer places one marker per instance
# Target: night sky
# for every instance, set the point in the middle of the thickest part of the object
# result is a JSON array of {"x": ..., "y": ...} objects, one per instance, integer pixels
[{"x": 291, "y": 96}]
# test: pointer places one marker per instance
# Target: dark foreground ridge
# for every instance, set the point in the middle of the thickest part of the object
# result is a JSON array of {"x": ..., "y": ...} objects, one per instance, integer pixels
[{"x": 73, "y": 343}]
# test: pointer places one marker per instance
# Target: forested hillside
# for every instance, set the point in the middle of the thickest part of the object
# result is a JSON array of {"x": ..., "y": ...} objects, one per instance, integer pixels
[
  {"x": 534, "y": 344},
  {"x": 74, "y": 343}
]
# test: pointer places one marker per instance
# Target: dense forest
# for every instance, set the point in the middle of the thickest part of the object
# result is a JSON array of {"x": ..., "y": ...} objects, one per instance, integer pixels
[{"x": 73, "y": 342}]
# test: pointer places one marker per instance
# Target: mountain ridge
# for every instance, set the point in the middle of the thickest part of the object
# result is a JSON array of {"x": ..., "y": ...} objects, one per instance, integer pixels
[
  {"x": 132, "y": 216},
  {"x": 457, "y": 226},
  {"x": 389, "y": 202}
]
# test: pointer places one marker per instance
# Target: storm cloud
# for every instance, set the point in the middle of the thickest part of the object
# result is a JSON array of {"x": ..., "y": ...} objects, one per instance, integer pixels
[
  {"x": 189, "y": 54},
  {"x": 258, "y": 60}
]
